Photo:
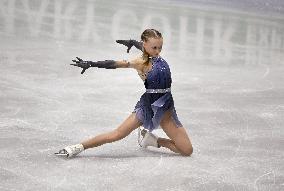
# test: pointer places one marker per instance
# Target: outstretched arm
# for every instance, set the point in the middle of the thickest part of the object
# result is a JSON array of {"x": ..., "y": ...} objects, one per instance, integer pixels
[
  {"x": 130, "y": 43},
  {"x": 107, "y": 64}
]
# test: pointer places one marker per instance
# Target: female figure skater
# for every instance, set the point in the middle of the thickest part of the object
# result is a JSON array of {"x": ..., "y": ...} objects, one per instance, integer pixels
[{"x": 155, "y": 107}]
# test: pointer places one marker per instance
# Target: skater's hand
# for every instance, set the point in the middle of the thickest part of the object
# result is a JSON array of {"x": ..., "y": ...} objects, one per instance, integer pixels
[
  {"x": 82, "y": 64},
  {"x": 127, "y": 43}
]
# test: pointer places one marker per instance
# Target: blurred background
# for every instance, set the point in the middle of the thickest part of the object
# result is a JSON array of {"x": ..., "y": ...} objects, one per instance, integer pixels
[
  {"x": 235, "y": 32},
  {"x": 226, "y": 59}
]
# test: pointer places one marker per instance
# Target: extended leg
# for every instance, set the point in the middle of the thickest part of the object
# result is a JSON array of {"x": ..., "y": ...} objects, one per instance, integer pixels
[
  {"x": 130, "y": 124},
  {"x": 122, "y": 131}
]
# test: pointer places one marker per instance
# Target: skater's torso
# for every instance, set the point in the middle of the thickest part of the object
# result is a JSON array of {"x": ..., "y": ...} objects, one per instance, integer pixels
[
  {"x": 156, "y": 75},
  {"x": 159, "y": 76}
]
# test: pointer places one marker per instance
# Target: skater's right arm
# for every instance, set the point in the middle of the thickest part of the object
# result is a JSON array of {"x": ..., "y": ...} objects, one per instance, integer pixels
[
  {"x": 137, "y": 63},
  {"x": 108, "y": 64}
]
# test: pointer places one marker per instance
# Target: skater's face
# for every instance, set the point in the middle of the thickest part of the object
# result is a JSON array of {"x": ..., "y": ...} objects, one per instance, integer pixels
[{"x": 153, "y": 46}]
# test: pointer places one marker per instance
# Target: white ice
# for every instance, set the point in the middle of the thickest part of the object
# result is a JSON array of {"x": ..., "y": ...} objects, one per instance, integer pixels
[{"x": 226, "y": 59}]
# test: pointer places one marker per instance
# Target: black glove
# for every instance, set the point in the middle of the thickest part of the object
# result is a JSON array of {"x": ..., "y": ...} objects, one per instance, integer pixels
[
  {"x": 82, "y": 64},
  {"x": 107, "y": 64},
  {"x": 130, "y": 43}
]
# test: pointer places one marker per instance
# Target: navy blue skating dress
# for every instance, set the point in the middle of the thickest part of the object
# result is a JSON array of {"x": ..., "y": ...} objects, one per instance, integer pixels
[{"x": 157, "y": 99}]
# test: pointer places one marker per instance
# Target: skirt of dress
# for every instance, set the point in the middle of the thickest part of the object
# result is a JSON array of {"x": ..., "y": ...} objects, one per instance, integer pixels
[{"x": 151, "y": 108}]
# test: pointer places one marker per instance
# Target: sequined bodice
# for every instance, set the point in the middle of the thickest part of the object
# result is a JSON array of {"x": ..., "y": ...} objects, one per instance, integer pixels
[{"x": 159, "y": 77}]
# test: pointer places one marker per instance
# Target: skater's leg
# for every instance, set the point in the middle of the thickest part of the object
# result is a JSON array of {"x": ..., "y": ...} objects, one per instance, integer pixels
[
  {"x": 168, "y": 143},
  {"x": 180, "y": 141},
  {"x": 130, "y": 124}
]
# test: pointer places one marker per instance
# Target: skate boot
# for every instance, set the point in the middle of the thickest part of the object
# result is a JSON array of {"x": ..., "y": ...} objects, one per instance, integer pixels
[
  {"x": 71, "y": 151},
  {"x": 148, "y": 139}
]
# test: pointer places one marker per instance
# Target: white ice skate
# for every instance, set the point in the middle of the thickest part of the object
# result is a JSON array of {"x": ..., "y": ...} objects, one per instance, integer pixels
[
  {"x": 148, "y": 139},
  {"x": 71, "y": 151}
]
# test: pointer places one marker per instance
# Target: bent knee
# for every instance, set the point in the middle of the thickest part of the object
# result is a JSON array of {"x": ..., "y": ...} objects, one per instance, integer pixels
[{"x": 187, "y": 151}]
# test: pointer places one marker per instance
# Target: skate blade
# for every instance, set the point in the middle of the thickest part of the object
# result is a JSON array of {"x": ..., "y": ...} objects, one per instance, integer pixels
[{"x": 62, "y": 153}]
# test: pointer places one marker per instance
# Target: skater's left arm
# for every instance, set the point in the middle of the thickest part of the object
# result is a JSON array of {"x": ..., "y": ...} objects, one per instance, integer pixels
[{"x": 130, "y": 43}]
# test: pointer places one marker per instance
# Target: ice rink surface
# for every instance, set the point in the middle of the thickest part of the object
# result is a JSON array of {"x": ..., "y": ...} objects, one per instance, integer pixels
[{"x": 226, "y": 59}]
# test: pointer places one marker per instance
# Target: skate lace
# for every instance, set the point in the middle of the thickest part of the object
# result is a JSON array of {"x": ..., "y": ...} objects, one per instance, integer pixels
[
  {"x": 141, "y": 135},
  {"x": 75, "y": 149}
]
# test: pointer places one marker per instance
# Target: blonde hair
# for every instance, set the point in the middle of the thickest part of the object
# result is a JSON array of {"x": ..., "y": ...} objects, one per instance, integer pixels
[{"x": 149, "y": 33}]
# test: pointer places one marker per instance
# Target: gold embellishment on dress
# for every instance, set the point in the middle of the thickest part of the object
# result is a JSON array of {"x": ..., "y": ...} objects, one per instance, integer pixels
[{"x": 142, "y": 74}]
